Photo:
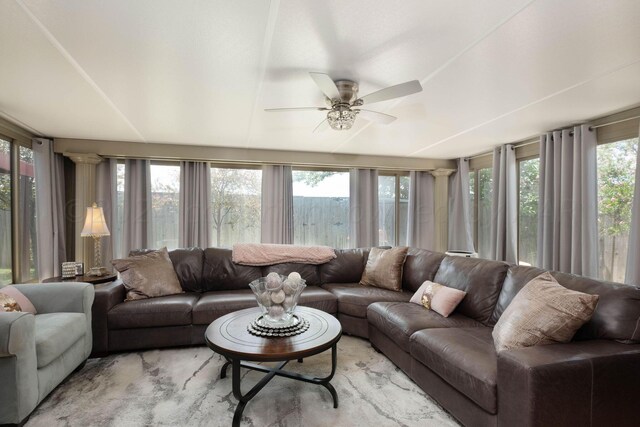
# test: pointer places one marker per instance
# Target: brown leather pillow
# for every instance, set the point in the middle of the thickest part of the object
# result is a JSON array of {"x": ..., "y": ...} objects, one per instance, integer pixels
[
  {"x": 384, "y": 268},
  {"x": 148, "y": 275},
  {"x": 543, "y": 312}
]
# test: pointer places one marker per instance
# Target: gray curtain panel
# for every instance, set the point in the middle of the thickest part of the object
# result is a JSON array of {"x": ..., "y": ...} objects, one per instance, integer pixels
[
  {"x": 195, "y": 205},
  {"x": 363, "y": 208},
  {"x": 567, "y": 203},
  {"x": 460, "y": 234},
  {"x": 106, "y": 179},
  {"x": 632, "y": 274},
  {"x": 504, "y": 207},
  {"x": 50, "y": 204},
  {"x": 137, "y": 231},
  {"x": 421, "y": 220},
  {"x": 277, "y": 205}
]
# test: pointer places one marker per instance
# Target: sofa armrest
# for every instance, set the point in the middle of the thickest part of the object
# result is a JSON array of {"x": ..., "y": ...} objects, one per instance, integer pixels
[
  {"x": 579, "y": 383},
  {"x": 16, "y": 330},
  {"x": 59, "y": 297},
  {"x": 18, "y": 367},
  {"x": 108, "y": 295}
]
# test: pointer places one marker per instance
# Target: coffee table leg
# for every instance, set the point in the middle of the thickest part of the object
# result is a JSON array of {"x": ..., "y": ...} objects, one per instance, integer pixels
[
  {"x": 237, "y": 392},
  {"x": 223, "y": 370}
]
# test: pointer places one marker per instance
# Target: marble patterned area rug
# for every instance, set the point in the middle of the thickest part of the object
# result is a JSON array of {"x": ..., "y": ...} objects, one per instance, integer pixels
[{"x": 181, "y": 387}]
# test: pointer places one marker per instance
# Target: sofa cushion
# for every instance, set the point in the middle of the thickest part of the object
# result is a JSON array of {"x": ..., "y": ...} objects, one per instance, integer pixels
[
  {"x": 212, "y": 305},
  {"x": 188, "y": 266},
  {"x": 55, "y": 333},
  {"x": 479, "y": 278},
  {"x": 347, "y": 267},
  {"x": 219, "y": 272},
  {"x": 353, "y": 299},
  {"x": 308, "y": 272},
  {"x": 399, "y": 320},
  {"x": 463, "y": 357},
  {"x": 171, "y": 310},
  {"x": 617, "y": 314},
  {"x": 420, "y": 265}
]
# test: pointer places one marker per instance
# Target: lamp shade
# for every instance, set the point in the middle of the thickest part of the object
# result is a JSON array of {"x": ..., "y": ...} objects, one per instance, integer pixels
[{"x": 94, "y": 224}]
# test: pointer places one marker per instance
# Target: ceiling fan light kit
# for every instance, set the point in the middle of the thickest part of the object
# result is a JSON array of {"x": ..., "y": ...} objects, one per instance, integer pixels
[{"x": 342, "y": 99}]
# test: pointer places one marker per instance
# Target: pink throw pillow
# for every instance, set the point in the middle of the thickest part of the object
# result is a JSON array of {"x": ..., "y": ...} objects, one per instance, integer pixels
[
  {"x": 21, "y": 299},
  {"x": 439, "y": 298}
]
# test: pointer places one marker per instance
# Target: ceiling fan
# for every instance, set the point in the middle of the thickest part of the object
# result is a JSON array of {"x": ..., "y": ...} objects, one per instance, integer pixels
[{"x": 343, "y": 104}]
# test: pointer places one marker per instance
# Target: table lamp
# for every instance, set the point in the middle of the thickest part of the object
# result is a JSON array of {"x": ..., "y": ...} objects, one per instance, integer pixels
[{"x": 95, "y": 226}]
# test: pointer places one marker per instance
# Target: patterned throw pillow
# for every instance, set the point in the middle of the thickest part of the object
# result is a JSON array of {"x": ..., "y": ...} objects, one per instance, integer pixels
[
  {"x": 543, "y": 312},
  {"x": 439, "y": 298},
  {"x": 10, "y": 295},
  {"x": 384, "y": 268},
  {"x": 8, "y": 304},
  {"x": 148, "y": 275}
]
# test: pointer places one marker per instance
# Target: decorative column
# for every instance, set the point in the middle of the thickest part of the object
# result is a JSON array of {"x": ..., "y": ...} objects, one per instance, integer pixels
[
  {"x": 85, "y": 196},
  {"x": 441, "y": 208}
]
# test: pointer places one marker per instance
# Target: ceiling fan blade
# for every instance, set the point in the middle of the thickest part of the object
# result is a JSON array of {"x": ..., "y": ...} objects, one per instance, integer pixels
[
  {"x": 324, "y": 125},
  {"x": 375, "y": 116},
  {"x": 326, "y": 85},
  {"x": 275, "y": 110},
  {"x": 391, "y": 92}
]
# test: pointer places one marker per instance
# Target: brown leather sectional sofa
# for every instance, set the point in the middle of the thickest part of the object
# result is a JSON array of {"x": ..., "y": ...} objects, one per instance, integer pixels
[{"x": 594, "y": 380}]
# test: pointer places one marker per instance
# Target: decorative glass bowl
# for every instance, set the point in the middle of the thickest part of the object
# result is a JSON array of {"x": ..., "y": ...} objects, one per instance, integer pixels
[{"x": 277, "y": 297}]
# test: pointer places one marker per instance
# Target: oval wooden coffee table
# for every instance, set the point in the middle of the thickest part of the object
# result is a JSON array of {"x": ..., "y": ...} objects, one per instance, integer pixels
[{"x": 229, "y": 337}]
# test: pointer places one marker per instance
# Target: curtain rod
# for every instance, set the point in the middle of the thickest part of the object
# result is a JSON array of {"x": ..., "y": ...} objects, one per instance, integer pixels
[{"x": 536, "y": 140}]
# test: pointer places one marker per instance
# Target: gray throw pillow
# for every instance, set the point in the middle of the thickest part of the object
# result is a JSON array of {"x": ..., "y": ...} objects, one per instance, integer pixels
[
  {"x": 543, "y": 312},
  {"x": 148, "y": 275}
]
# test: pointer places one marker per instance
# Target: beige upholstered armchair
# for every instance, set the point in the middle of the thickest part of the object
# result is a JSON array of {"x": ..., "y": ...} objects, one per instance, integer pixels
[{"x": 38, "y": 352}]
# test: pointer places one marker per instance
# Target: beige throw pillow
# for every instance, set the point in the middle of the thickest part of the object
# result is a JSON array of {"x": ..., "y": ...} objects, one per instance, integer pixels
[
  {"x": 439, "y": 298},
  {"x": 543, "y": 312},
  {"x": 10, "y": 294},
  {"x": 384, "y": 268},
  {"x": 148, "y": 275}
]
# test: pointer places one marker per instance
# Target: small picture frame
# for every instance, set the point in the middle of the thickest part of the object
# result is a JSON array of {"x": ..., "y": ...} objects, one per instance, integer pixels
[
  {"x": 79, "y": 268},
  {"x": 68, "y": 270}
]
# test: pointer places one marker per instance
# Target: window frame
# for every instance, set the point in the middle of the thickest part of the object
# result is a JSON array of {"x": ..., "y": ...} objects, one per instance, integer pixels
[
  {"x": 16, "y": 221},
  {"x": 519, "y": 161},
  {"x": 396, "y": 225}
]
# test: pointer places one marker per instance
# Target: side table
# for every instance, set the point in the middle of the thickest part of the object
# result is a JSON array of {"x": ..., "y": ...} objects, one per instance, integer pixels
[{"x": 94, "y": 280}]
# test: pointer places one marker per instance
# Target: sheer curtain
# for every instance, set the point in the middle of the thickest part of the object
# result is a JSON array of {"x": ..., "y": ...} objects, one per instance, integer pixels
[
  {"x": 632, "y": 274},
  {"x": 277, "y": 204},
  {"x": 460, "y": 234},
  {"x": 363, "y": 208},
  {"x": 567, "y": 203},
  {"x": 504, "y": 207},
  {"x": 106, "y": 175},
  {"x": 195, "y": 204},
  {"x": 421, "y": 221},
  {"x": 50, "y": 204},
  {"x": 137, "y": 232}
]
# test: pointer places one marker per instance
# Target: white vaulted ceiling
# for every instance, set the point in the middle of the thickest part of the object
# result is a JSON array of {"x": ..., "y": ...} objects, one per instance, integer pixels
[{"x": 201, "y": 72}]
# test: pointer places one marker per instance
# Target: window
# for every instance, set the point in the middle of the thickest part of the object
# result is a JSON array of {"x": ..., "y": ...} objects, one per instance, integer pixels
[
  {"x": 393, "y": 210},
  {"x": 27, "y": 199},
  {"x": 6, "y": 276},
  {"x": 481, "y": 188},
  {"x": 235, "y": 205},
  {"x": 165, "y": 202},
  {"x": 321, "y": 208},
  {"x": 616, "y": 176},
  {"x": 529, "y": 179}
]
